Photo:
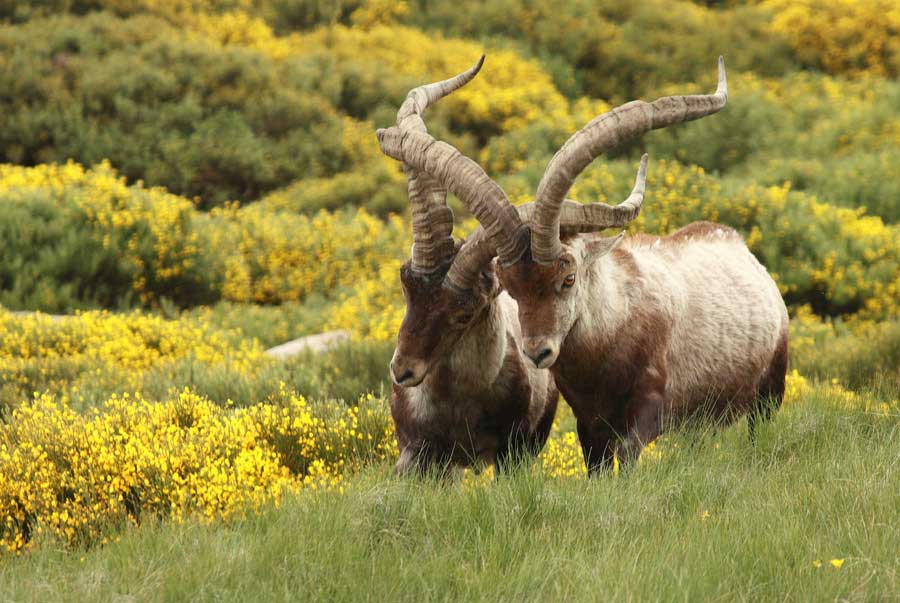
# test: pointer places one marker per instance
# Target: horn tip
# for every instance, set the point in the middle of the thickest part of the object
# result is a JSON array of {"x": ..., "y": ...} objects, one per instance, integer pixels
[
  {"x": 381, "y": 134},
  {"x": 641, "y": 179},
  {"x": 722, "y": 87},
  {"x": 642, "y": 171},
  {"x": 480, "y": 62}
]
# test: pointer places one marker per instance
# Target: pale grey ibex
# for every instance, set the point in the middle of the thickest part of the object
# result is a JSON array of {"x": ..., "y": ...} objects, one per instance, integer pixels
[
  {"x": 462, "y": 391},
  {"x": 639, "y": 332}
]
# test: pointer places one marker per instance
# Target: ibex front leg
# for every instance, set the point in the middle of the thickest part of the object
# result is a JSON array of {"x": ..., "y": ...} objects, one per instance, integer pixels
[
  {"x": 598, "y": 444},
  {"x": 643, "y": 416}
]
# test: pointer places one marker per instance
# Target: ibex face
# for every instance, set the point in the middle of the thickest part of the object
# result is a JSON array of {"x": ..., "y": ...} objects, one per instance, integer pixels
[
  {"x": 437, "y": 315},
  {"x": 547, "y": 295}
]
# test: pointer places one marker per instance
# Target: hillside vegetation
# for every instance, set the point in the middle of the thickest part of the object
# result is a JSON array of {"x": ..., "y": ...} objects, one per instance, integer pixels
[{"x": 192, "y": 182}]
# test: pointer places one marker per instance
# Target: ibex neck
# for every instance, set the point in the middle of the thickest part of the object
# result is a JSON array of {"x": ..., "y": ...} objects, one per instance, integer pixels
[
  {"x": 478, "y": 356},
  {"x": 606, "y": 300}
]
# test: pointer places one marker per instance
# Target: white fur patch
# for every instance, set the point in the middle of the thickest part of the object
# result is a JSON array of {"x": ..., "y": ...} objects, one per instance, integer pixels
[{"x": 726, "y": 314}]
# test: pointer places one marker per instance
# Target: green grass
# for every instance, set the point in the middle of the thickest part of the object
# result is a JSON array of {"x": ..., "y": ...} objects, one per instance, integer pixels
[{"x": 820, "y": 483}]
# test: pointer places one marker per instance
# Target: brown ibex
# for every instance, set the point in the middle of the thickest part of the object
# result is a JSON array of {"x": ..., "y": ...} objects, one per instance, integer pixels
[
  {"x": 641, "y": 332},
  {"x": 462, "y": 392}
]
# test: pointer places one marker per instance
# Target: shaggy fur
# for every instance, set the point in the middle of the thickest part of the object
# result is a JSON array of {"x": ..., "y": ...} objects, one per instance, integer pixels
[
  {"x": 471, "y": 398},
  {"x": 653, "y": 331}
]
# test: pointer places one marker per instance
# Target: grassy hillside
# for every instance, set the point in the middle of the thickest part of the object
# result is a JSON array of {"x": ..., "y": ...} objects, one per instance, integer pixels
[
  {"x": 195, "y": 182},
  {"x": 811, "y": 512}
]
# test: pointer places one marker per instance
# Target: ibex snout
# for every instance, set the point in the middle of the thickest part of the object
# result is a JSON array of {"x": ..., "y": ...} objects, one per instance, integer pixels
[
  {"x": 407, "y": 372},
  {"x": 540, "y": 351}
]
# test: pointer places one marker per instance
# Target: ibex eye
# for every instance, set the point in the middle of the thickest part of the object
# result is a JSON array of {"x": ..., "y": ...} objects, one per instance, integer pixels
[{"x": 569, "y": 281}]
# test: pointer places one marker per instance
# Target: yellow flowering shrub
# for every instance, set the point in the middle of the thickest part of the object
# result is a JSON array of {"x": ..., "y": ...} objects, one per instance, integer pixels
[
  {"x": 373, "y": 308},
  {"x": 273, "y": 257},
  {"x": 151, "y": 231},
  {"x": 115, "y": 352},
  {"x": 841, "y": 36},
  {"x": 239, "y": 29},
  {"x": 509, "y": 93},
  {"x": 72, "y": 477},
  {"x": 167, "y": 249},
  {"x": 378, "y": 12},
  {"x": 173, "y": 8}
]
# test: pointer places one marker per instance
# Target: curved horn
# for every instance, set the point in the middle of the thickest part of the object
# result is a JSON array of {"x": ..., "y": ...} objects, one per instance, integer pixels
[
  {"x": 478, "y": 250},
  {"x": 466, "y": 180},
  {"x": 432, "y": 220},
  {"x": 602, "y": 134}
]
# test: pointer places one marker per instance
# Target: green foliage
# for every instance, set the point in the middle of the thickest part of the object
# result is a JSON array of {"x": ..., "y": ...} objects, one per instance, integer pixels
[
  {"x": 375, "y": 188},
  {"x": 344, "y": 373},
  {"x": 866, "y": 179},
  {"x": 77, "y": 240},
  {"x": 200, "y": 119},
  {"x": 618, "y": 50},
  {"x": 865, "y": 356},
  {"x": 57, "y": 262},
  {"x": 270, "y": 325}
]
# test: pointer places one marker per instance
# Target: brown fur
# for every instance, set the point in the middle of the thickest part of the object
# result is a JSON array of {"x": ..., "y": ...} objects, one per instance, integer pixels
[
  {"x": 616, "y": 384},
  {"x": 465, "y": 424}
]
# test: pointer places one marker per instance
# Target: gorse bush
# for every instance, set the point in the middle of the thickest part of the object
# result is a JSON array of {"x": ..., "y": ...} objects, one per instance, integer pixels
[
  {"x": 84, "y": 238},
  {"x": 617, "y": 50},
  {"x": 76, "y": 477},
  {"x": 844, "y": 36},
  {"x": 189, "y": 114},
  {"x": 103, "y": 242},
  {"x": 859, "y": 354},
  {"x": 88, "y": 357},
  {"x": 279, "y": 257},
  {"x": 95, "y": 354}
]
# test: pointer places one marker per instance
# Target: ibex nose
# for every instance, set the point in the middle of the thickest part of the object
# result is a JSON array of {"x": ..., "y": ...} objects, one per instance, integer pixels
[
  {"x": 539, "y": 351},
  {"x": 407, "y": 373}
]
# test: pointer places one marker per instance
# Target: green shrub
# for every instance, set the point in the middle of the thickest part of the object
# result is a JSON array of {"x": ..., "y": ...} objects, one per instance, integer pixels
[
  {"x": 200, "y": 119},
  {"x": 861, "y": 179},
  {"x": 270, "y": 325},
  {"x": 375, "y": 188},
  {"x": 619, "y": 50},
  {"x": 860, "y": 356},
  {"x": 76, "y": 239},
  {"x": 50, "y": 260}
]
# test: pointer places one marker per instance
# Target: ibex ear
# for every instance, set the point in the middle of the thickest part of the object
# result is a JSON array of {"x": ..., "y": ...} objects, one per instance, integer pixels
[
  {"x": 599, "y": 247},
  {"x": 489, "y": 282}
]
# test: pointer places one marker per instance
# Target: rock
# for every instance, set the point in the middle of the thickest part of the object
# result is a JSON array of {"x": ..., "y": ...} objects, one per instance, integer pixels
[{"x": 318, "y": 343}]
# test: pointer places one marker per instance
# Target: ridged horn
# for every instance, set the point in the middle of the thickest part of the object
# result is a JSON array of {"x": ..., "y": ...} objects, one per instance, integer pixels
[
  {"x": 600, "y": 135},
  {"x": 465, "y": 178},
  {"x": 432, "y": 220},
  {"x": 478, "y": 250}
]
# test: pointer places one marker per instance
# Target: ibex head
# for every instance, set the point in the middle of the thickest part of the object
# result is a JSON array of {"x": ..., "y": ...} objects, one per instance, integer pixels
[
  {"x": 539, "y": 271},
  {"x": 446, "y": 288},
  {"x": 437, "y": 315},
  {"x": 547, "y": 292}
]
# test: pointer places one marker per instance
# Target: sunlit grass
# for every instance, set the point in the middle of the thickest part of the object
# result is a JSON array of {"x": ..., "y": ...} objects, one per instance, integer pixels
[{"x": 811, "y": 511}]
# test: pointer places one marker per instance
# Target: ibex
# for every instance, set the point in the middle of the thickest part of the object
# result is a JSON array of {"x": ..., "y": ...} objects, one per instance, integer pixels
[
  {"x": 462, "y": 392},
  {"x": 641, "y": 332}
]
